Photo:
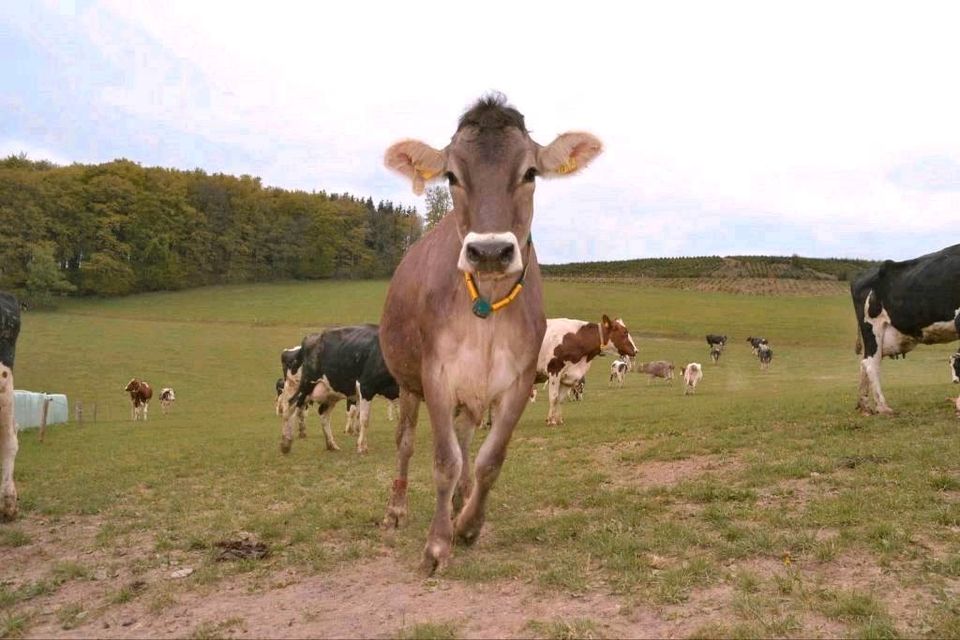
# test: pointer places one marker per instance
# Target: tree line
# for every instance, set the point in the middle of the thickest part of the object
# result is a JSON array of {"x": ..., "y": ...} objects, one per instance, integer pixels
[{"x": 118, "y": 228}]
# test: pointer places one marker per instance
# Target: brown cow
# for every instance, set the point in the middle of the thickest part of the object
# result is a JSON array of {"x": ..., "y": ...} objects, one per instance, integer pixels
[
  {"x": 463, "y": 318},
  {"x": 140, "y": 394}
]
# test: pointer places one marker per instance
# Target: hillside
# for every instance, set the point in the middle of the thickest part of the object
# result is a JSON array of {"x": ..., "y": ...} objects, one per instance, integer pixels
[{"x": 731, "y": 267}]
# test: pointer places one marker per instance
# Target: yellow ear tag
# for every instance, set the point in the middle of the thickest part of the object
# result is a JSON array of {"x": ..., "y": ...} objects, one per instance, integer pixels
[
  {"x": 568, "y": 166},
  {"x": 426, "y": 174}
]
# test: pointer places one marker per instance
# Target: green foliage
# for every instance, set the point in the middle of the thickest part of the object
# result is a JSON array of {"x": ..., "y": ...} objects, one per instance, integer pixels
[
  {"x": 438, "y": 204},
  {"x": 119, "y": 228}
]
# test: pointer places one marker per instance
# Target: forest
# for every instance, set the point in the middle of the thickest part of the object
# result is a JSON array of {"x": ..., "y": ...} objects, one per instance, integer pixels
[{"x": 118, "y": 228}]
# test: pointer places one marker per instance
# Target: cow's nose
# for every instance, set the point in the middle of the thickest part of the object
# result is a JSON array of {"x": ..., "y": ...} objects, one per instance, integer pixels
[{"x": 490, "y": 255}]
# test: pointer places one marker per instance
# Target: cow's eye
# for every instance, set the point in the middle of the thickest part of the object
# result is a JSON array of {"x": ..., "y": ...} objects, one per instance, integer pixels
[
  {"x": 452, "y": 179},
  {"x": 530, "y": 175}
]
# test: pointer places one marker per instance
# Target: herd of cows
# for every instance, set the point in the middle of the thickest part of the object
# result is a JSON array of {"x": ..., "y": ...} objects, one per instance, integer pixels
[{"x": 463, "y": 328}]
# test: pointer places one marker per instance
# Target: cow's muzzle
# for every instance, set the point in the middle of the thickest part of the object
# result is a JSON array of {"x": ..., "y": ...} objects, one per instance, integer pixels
[{"x": 492, "y": 253}]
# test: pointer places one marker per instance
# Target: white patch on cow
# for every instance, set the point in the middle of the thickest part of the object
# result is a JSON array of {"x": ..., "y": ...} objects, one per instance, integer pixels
[{"x": 515, "y": 266}]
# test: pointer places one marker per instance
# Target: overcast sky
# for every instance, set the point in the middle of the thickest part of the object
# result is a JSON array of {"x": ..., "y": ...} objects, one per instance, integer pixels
[{"x": 824, "y": 129}]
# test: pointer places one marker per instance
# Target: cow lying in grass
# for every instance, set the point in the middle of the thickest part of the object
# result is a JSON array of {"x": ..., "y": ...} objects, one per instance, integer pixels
[{"x": 656, "y": 369}]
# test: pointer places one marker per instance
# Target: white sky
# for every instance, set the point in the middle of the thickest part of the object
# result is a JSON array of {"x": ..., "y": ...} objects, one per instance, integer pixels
[{"x": 821, "y": 128}]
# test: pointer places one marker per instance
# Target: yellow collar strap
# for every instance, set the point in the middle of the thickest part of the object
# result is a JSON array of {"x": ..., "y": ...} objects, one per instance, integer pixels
[
  {"x": 600, "y": 329},
  {"x": 482, "y": 308}
]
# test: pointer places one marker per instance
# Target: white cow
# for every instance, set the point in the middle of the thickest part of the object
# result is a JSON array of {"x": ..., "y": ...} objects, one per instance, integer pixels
[{"x": 692, "y": 374}]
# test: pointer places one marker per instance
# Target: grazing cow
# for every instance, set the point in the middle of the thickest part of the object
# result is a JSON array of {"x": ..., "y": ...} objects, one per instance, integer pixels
[
  {"x": 9, "y": 330},
  {"x": 715, "y": 340},
  {"x": 167, "y": 398},
  {"x": 618, "y": 369},
  {"x": 900, "y": 305},
  {"x": 463, "y": 320},
  {"x": 344, "y": 363},
  {"x": 715, "y": 351},
  {"x": 140, "y": 394},
  {"x": 755, "y": 343},
  {"x": 656, "y": 369},
  {"x": 568, "y": 348},
  {"x": 692, "y": 374},
  {"x": 287, "y": 386},
  {"x": 765, "y": 355},
  {"x": 955, "y": 367}
]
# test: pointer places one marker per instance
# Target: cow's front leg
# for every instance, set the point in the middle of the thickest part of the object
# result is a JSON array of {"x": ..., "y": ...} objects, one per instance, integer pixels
[
  {"x": 408, "y": 406},
  {"x": 465, "y": 425},
  {"x": 302, "y": 422},
  {"x": 447, "y": 464},
  {"x": 326, "y": 420},
  {"x": 8, "y": 446},
  {"x": 146, "y": 405},
  {"x": 554, "y": 417},
  {"x": 489, "y": 460}
]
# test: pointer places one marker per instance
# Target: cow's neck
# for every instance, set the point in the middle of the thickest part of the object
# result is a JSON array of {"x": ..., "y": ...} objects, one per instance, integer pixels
[{"x": 598, "y": 343}]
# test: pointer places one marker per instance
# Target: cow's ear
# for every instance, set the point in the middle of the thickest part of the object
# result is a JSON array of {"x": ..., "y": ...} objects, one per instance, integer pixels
[
  {"x": 606, "y": 321},
  {"x": 416, "y": 160},
  {"x": 569, "y": 153}
]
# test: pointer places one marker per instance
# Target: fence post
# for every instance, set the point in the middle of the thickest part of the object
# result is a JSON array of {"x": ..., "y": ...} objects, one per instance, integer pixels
[{"x": 43, "y": 417}]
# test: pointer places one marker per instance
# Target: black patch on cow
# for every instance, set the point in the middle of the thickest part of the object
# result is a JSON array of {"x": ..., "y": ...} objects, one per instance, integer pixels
[
  {"x": 345, "y": 356},
  {"x": 713, "y": 339},
  {"x": 955, "y": 363},
  {"x": 9, "y": 328},
  {"x": 915, "y": 294},
  {"x": 280, "y": 384}
]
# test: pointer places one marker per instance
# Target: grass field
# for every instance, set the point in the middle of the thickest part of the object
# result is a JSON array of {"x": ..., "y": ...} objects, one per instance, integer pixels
[{"x": 761, "y": 506}]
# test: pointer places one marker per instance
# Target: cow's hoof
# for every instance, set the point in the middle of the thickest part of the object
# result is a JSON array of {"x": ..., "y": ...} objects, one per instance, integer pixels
[
  {"x": 8, "y": 508},
  {"x": 332, "y": 446},
  {"x": 468, "y": 532},
  {"x": 885, "y": 411},
  {"x": 436, "y": 557},
  {"x": 395, "y": 517},
  {"x": 362, "y": 450},
  {"x": 285, "y": 445}
]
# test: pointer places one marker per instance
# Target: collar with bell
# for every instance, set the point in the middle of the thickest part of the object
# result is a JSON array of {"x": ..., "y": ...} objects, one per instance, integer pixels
[{"x": 482, "y": 307}]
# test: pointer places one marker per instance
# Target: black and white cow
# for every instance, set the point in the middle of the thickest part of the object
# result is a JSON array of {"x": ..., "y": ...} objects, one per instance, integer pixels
[
  {"x": 755, "y": 343},
  {"x": 765, "y": 355},
  {"x": 900, "y": 305},
  {"x": 9, "y": 330},
  {"x": 338, "y": 364},
  {"x": 955, "y": 367},
  {"x": 714, "y": 339},
  {"x": 287, "y": 386}
]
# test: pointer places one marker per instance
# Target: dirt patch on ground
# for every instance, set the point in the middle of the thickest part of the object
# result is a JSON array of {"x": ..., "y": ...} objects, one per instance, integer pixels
[{"x": 661, "y": 473}]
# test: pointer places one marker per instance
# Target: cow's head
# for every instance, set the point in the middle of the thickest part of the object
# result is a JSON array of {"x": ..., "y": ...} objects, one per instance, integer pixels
[
  {"x": 133, "y": 385},
  {"x": 491, "y": 165},
  {"x": 616, "y": 333},
  {"x": 955, "y": 367}
]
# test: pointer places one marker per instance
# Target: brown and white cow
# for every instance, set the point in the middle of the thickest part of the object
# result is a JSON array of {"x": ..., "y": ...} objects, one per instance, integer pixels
[
  {"x": 568, "y": 349},
  {"x": 9, "y": 330},
  {"x": 140, "y": 395},
  {"x": 167, "y": 398},
  {"x": 463, "y": 320}
]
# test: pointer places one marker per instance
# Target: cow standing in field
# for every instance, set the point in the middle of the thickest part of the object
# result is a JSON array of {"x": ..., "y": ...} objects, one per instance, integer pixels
[
  {"x": 338, "y": 364},
  {"x": 692, "y": 375},
  {"x": 716, "y": 340},
  {"x": 765, "y": 355},
  {"x": 9, "y": 331},
  {"x": 140, "y": 395},
  {"x": 568, "y": 348},
  {"x": 618, "y": 369},
  {"x": 755, "y": 343},
  {"x": 656, "y": 369},
  {"x": 463, "y": 320},
  {"x": 900, "y": 305},
  {"x": 167, "y": 398},
  {"x": 715, "y": 352}
]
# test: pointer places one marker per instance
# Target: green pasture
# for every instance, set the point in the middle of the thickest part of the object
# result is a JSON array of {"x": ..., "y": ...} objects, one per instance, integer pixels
[{"x": 764, "y": 482}]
